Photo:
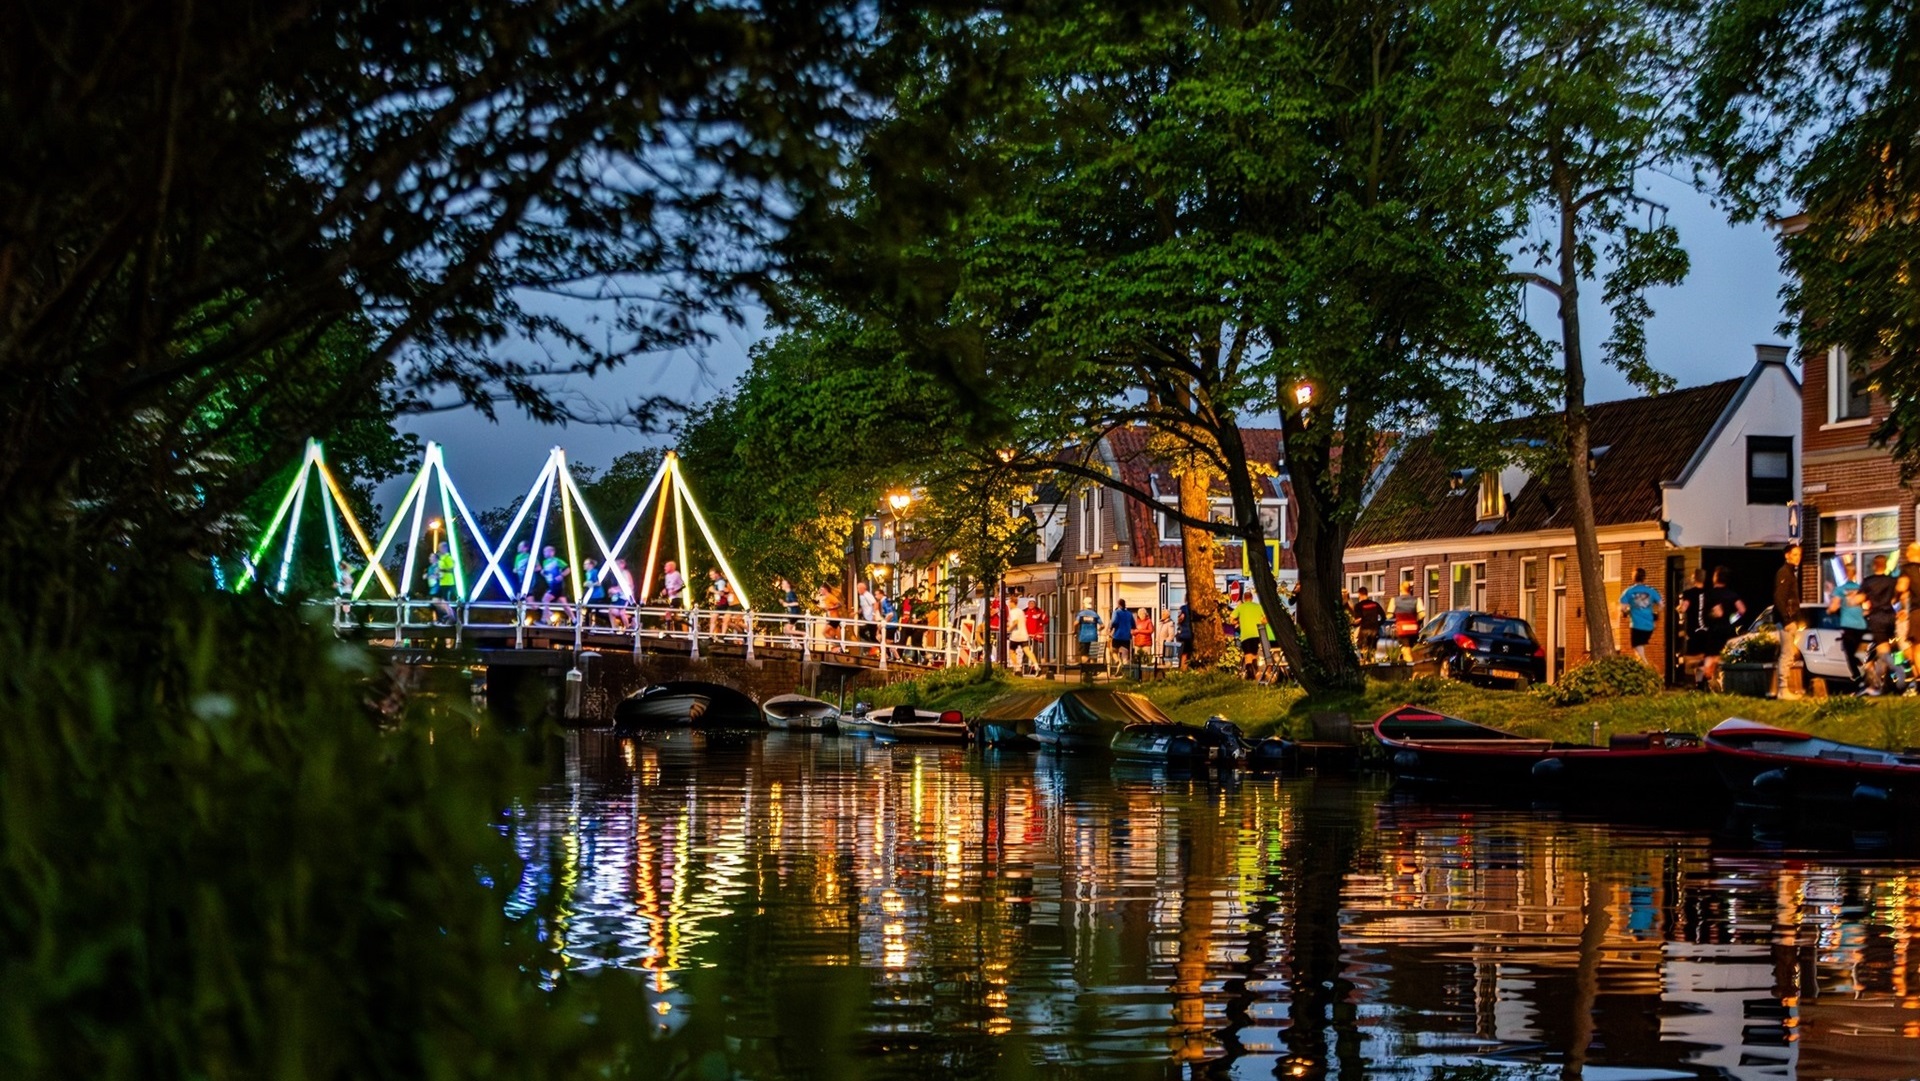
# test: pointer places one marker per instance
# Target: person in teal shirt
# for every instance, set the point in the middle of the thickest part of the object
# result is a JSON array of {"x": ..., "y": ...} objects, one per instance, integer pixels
[
  {"x": 1087, "y": 624},
  {"x": 1845, "y": 601},
  {"x": 1641, "y": 604}
]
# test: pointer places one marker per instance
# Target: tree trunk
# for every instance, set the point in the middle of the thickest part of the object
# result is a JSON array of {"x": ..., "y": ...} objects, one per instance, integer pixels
[
  {"x": 1197, "y": 549},
  {"x": 1319, "y": 646},
  {"x": 1586, "y": 532}
]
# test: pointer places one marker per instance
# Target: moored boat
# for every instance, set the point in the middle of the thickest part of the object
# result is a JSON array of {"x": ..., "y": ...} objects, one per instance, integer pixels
[
  {"x": 1084, "y": 720},
  {"x": 908, "y": 725},
  {"x": 799, "y": 713},
  {"x": 1424, "y": 746},
  {"x": 1007, "y": 721},
  {"x": 1154, "y": 741},
  {"x": 663, "y": 705},
  {"x": 1765, "y": 766}
]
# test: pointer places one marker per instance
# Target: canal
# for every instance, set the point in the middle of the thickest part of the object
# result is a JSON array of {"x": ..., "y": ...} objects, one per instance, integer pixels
[{"x": 836, "y": 907}]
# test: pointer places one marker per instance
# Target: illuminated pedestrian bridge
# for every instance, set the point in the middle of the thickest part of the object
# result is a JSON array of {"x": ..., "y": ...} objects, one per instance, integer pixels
[{"x": 431, "y": 576}]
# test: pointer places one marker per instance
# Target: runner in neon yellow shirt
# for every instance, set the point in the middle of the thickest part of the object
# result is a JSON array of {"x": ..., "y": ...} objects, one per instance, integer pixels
[{"x": 1252, "y": 621}]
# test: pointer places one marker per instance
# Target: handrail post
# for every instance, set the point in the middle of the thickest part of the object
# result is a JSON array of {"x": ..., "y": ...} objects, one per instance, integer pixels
[
  {"x": 520, "y": 622},
  {"x": 693, "y": 633},
  {"x": 880, "y": 635},
  {"x": 748, "y": 614},
  {"x": 806, "y": 639}
]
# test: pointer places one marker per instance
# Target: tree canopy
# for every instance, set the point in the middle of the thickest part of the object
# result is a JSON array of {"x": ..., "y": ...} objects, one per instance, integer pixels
[{"x": 1808, "y": 111}]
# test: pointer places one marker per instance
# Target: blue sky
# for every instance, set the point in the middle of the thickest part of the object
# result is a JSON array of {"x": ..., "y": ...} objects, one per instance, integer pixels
[{"x": 1702, "y": 331}]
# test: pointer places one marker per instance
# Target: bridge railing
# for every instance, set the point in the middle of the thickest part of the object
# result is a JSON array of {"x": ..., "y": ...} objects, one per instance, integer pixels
[{"x": 594, "y": 625}]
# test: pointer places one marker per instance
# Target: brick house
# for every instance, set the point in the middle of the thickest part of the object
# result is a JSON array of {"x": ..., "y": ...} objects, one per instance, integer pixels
[
  {"x": 1852, "y": 489},
  {"x": 1702, "y": 476},
  {"x": 1100, "y": 544}
]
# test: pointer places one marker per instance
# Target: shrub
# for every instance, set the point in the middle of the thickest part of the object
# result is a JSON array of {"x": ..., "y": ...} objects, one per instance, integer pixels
[
  {"x": 1618, "y": 676},
  {"x": 1760, "y": 647},
  {"x": 215, "y": 863}
]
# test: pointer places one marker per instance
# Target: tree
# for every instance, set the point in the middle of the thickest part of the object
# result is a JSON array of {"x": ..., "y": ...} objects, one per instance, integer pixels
[
  {"x": 969, "y": 507},
  {"x": 1182, "y": 216},
  {"x": 197, "y": 197},
  {"x": 1808, "y": 109},
  {"x": 1593, "y": 98},
  {"x": 824, "y": 422}
]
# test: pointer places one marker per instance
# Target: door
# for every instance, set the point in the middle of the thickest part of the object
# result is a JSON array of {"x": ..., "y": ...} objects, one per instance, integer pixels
[{"x": 1556, "y": 636}]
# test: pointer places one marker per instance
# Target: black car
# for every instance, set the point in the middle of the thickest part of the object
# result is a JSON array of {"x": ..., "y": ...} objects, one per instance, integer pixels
[{"x": 1482, "y": 647}]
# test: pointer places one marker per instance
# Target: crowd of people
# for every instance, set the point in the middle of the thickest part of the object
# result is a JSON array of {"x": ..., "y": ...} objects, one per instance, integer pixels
[
  {"x": 1878, "y": 614},
  {"x": 1867, "y": 608}
]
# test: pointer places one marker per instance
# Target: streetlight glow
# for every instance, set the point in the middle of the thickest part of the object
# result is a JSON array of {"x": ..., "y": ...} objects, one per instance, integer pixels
[
  {"x": 899, "y": 500},
  {"x": 1303, "y": 395}
]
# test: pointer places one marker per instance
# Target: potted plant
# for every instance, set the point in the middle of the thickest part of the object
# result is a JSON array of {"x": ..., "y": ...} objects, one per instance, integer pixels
[{"x": 1746, "y": 665}]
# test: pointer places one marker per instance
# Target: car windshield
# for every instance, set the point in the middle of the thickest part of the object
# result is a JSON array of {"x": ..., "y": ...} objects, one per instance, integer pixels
[{"x": 1508, "y": 628}]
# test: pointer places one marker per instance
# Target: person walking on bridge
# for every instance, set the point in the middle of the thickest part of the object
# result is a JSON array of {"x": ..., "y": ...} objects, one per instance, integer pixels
[
  {"x": 553, "y": 575},
  {"x": 440, "y": 582},
  {"x": 673, "y": 588}
]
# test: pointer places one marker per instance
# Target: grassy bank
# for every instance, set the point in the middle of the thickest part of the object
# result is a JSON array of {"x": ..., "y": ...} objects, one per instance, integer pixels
[{"x": 1891, "y": 723}]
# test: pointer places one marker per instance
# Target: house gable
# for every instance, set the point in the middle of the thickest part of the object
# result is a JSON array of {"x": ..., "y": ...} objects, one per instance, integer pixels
[{"x": 1637, "y": 443}]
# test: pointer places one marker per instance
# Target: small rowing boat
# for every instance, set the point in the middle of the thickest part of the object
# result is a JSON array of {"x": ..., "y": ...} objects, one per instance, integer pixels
[
  {"x": 1427, "y": 747},
  {"x": 799, "y": 713},
  {"x": 1778, "y": 767},
  {"x": 906, "y": 724}
]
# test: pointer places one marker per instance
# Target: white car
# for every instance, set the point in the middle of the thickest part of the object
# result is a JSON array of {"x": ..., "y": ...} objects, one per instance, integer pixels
[{"x": 1821, "y": 654}]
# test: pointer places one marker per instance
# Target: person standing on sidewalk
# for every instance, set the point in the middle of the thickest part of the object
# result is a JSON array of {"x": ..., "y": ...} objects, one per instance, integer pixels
[{"x": 1786, "y": 608}]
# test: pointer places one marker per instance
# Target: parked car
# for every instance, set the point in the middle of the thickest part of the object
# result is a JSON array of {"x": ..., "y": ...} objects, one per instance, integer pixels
[
  {"x": 1821, "y": 654},
  {"x": 1483, "y": 648}
]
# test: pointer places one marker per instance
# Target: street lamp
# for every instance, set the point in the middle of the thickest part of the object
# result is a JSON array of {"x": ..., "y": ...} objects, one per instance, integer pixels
[
  {"x": 1303, "y": 394},
  {"x": 899, "y": 501}
]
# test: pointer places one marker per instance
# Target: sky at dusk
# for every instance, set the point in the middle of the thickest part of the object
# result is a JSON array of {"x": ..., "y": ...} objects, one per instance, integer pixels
[{"x": 1702, "y": 331}]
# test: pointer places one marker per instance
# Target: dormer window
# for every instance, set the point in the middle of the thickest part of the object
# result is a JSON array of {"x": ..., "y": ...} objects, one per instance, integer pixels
[
  {"x": 1493, "y": 501},
  {"x": 1459, "y": 481}
]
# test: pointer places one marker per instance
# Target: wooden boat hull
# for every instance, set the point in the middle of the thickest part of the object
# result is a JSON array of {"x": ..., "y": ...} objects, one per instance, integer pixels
[
  {"x": 660, "y": 711},
  {"x": 1763, "y": 766},
  {"x": 902, "y": 725},
  {"x": 1428, "y": 748},
  {"x": 925, "y": 732},
  {"x": 799, "y": 713}
]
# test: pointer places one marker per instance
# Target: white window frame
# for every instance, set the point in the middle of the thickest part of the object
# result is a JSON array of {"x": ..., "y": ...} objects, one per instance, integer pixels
[
  {"x": 1529, "y": 606},
  {"x": 1838, "y": 361},
  {"x": 1374, "y": 581},
  {"x": 1433, "y": 587},
  {"x": 1476, "y": 585},
  {"x": 1861, "y": 549}
]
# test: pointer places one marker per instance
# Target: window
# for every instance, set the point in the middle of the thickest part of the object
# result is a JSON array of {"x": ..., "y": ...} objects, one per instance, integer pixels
[
  {"x": 1406, "y": 580},
  {"x": 1530, "y": 590},
  {"x": 1769, "y": 470},
  {"x": 1169, "y": 527},
  {"x": 1493, "y": 501},
  {"x": 1848, "y": 543},
  {"x": 1434, "y": 606},
  {"x": 1848, "y": 393},
  {"x": 1470, "y": 586},
  {"x": 1093, "y": 504},
  {"x": 1610, "y": 579},
  {"x": 1373, "y": 582}
]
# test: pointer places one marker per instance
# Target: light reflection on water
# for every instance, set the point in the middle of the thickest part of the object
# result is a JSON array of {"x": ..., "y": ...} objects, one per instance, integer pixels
[{"x": 923, "y": 910}]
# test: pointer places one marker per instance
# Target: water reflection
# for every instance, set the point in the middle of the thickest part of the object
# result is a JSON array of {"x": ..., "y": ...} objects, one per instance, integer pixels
[{"x": 830, "y": 900}]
